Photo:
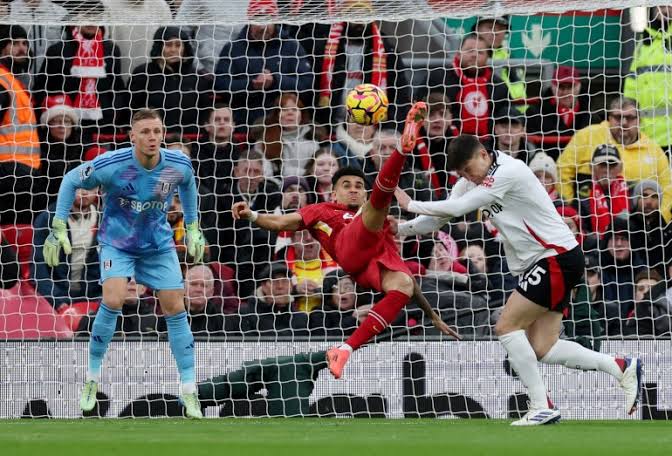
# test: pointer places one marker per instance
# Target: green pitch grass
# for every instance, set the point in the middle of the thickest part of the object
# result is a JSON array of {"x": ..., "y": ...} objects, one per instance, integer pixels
[{"x": 325, "y": 437}]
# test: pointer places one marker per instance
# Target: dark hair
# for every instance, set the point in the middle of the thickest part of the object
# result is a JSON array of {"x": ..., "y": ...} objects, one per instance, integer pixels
[
  {"x": 470, "y": 36},
  {"x": 461, "y": 150},
  {"x": 347, "y": 171},
  {"x": 250, "y": 155},
  {"x": 145, "y": 113}
]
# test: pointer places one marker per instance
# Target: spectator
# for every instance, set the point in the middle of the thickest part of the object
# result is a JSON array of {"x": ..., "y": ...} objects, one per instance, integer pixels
[
  {"x": 241, "y": 243},
  {"x": 337, "y": 316},
  {"x": 562, "y": 112},
  {"x": 206, "y": 318},
  {"x": 608, "y": 196},
  {"x": 353, "y": 143},
  {"x": 650, "y": 236},
  {"x": 319, "y": 171},
  {"x": 641, "y": 157},
  {"x": 385, "y": 143},
  {"x": 176, "y": 143},
  {"x": 493, "y": 30},
  {"x": 472, "y": 85},
  {"x": 571, "y": 219},
  {"x": 649, "y": 78},
  {"x": 650, "y": 315},
  {"x": 510, "y": 135},
  {"x": 543, "y": 166},
  {"x": 86, "y": 67},
  {"x": 169, "y": 83},
  {"x": 76, "y": 279},
  {"x": 38, "y": 13},
  {"x": 437, "y": 133},
  {"x": 288, "y": 138},
  {"x": 356, "y": 53},
  {"x": 262, "y": 62},
  {"x": 619, "y": 265},
  {"x": 295, "y": 194},
  {"x": 213, "y": 159},
  {"x": 270, "y": 311},
  {"x": 308, "y": 271},
  {"x": 134, "y": 40},
  {"x": 61, "y": 142},
  {"x": 210, "y": 38},
  {"x": 19, "y": 141}
]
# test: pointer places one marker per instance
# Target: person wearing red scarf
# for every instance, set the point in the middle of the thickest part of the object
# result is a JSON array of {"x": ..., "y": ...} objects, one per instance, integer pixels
[
  {"x": 609, "y": 195},
  {"x": 472, "y": 85},
  {"x": 356, "y": 53},
  {"x": 562, "y": 111}
]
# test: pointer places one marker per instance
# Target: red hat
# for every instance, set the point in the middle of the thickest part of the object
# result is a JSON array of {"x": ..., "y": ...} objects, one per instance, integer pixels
[
  {"x": 565, "y": 75},
  {"x": 567, "y": 211},
  {"x": 59, "y": 104},
  {"x": 262, "y": 8}
]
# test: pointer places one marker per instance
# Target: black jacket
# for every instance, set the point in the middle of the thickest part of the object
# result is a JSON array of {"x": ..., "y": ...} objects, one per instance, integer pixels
[
  {"x": 651, "y": 238},
  {"x": 58, "y": 158},
  {"x": 213, "y": 165},
  {"x": 259, "y": 318},
  {"x": 180, "y": 94}
]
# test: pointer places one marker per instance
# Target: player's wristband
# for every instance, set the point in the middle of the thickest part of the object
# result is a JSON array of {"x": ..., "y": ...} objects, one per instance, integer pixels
[{"x": 254, "y": 215}]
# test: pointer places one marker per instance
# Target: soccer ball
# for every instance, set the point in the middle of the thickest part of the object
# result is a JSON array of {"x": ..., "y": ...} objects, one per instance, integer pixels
[{"x": 367, "y": 105}]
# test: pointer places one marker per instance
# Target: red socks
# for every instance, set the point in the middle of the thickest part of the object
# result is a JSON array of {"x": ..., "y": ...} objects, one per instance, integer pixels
[
  {"x": 380, "y": 317},
  {"x": 387, "y": 180}
]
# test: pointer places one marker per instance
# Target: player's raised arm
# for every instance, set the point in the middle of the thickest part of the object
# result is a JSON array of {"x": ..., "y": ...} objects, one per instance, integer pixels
[
  {"x": 271, "y": 222},
  {"x": 84, "y": 176},
  {"x": 189, "y": 198}
]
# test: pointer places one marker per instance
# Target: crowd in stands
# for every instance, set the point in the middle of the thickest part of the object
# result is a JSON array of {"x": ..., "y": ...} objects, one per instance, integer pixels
[{"x": 259, "y": 110}]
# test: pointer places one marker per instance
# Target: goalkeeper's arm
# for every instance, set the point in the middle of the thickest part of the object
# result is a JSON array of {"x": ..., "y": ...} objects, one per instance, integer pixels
[{"x": 271, "y": 222}]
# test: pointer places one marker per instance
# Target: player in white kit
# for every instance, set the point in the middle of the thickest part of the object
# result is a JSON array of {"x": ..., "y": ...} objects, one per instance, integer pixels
[{"x": 541, "y": 251}]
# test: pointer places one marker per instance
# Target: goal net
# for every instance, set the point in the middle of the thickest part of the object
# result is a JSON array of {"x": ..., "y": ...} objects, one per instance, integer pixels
[{"x": 253, "y": 92}]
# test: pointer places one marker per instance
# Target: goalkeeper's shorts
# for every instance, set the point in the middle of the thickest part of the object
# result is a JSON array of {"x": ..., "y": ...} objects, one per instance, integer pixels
[{"x": 158, "y": 271}]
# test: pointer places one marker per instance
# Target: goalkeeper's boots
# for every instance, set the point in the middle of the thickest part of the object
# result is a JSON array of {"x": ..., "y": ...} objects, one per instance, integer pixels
[
  {"x": 88, "y": 399},
  {"x": 192, "y": 406},
  {"x": 538, "y": 417},
  {"x": 632, "y": 383},
  {"x": 336, "y": 359}
]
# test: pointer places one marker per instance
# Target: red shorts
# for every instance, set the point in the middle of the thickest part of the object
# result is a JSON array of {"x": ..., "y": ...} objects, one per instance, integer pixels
[{"x": 363, "y": 254}]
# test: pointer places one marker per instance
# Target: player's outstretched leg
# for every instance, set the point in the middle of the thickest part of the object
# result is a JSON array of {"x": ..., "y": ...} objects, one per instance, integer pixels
[
  {"x": 102, "y": 331},
  {"x": 628, "y": 371},
  {"x": 400, "y": 287},
  {"x": 519, "y": 313}
]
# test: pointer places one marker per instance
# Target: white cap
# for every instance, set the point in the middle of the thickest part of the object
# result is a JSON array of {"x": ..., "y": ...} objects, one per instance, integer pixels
[{"x": 543, "y": 162}]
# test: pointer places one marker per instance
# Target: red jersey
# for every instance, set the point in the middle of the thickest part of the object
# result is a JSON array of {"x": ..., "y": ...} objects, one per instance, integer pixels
[{"x": 358, "y": 251}]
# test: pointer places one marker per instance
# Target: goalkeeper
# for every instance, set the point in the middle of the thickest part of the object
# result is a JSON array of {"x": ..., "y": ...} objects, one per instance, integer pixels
[{"x": 136, "y": 241}]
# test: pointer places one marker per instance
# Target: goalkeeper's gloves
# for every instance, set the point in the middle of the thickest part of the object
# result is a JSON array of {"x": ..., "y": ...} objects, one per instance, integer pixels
[
  {"x": 195, "y": 242},
  {"x": 57, "y": 238}
]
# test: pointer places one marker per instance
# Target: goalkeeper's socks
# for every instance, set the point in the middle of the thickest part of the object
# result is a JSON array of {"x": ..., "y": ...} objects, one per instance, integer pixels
[
  {"x": 182, "y": 345},
  {"x": 576, "y": 356},
  {"x": 387, "y": 180},
  {"x": 101, "y": 334},
  {"x": 524, "y": 362},
  {"x": 379, "y": 318}
]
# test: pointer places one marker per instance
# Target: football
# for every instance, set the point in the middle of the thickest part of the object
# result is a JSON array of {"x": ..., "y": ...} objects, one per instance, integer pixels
[{"x": 367, "y": 105}]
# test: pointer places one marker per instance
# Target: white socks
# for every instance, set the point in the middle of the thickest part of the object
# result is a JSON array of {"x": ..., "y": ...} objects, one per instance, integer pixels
[
  {"x": 575, "y": 356},
  {"x": 524, "y": 362},
  {"x": 345, "y": 347}
]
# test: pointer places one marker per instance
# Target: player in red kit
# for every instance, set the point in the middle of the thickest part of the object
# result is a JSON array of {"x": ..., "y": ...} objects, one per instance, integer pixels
[{"x": 356, "y": 233}]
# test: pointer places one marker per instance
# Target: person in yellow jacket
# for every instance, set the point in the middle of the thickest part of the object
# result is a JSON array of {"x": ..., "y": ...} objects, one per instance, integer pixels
[
  {"x": 642, "y": 158},
  {"x": 493, "y": 31},
  {"x": 19, "y": 141},
  {"x": 650, "y": 78}
]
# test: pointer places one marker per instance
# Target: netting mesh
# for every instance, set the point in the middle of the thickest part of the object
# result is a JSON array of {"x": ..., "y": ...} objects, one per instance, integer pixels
[{"x": 253, "y": 93}]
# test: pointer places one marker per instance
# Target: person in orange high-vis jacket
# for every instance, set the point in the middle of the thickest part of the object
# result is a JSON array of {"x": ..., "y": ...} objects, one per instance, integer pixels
[{"x": 19, "y": 142}]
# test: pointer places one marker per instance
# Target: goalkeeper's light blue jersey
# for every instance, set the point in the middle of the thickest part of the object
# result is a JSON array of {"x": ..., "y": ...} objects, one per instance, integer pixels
[{"x": 135, "y": 199}]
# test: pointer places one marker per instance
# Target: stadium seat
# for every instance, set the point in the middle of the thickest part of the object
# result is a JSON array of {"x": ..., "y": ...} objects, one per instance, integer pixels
[
  {"x": 26, "y": 315},
  {"x": 21, "y": 238}
]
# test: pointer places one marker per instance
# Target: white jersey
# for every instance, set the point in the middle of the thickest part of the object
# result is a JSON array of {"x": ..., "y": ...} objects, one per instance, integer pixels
[{"x": 514, "y": 201}]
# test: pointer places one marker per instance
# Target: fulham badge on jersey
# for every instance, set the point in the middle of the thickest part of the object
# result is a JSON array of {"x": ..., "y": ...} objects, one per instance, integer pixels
[{"x": 165, "y": 188}]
